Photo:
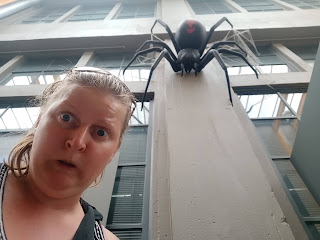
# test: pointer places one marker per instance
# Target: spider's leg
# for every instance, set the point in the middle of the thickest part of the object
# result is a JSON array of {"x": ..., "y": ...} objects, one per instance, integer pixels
[
  {"x": 214, "y": 28},
  {"x": 214, "y": 46},
  {"x": 182, "y": 69},
  {"x": 222, "y": 50},
  {"x": 209, "y": 56},
  {"x": 168, "y": 31},
  {"x": 196, "y": 67},
  {"x": 224, "y": 67},
  {"x": 162, "y": 44},
  {"x": 154, "y": 49},
  {"x": 164, "y": 54}
]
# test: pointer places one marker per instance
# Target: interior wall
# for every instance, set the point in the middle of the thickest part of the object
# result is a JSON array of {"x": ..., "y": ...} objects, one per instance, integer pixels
[
  {"x": 8, "y": 140},
  {"x": 306, "y": 151}
]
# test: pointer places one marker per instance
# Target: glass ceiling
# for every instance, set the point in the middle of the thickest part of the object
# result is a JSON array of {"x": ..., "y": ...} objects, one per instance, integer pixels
[
  {"x": 140, "y": 117},
  {"x": 131, "y": 74},
  {"x": 22, "y": 119},
  {"x": 267, "y": 106},
  {"x": 18, "y": 118},
  {"x": 33, "y": 78},
  {"x": 265, "y": 69}
]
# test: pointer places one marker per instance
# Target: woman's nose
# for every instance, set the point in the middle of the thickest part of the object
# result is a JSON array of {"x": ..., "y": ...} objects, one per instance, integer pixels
[{"x": 78, "y": 140}]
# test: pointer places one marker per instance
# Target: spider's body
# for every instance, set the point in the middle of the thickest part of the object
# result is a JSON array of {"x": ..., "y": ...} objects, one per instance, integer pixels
[{"x": 190, "y": 42}]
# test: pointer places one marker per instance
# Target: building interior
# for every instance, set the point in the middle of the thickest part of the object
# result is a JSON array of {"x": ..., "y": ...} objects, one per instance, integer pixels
[{"x": 192, "y": 165}]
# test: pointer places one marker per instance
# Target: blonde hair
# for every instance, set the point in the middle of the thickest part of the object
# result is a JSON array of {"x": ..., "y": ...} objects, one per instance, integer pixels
[{"x": 96, "y": 78}]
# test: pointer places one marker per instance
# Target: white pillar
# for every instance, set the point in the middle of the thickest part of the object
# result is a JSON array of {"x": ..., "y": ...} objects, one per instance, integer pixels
[{"x": 218, "y": 189}]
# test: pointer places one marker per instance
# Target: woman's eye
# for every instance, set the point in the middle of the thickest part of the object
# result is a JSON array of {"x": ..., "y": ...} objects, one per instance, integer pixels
[
  {"x": 66, "y": 117},
  {"x": 102, "y": 133}
]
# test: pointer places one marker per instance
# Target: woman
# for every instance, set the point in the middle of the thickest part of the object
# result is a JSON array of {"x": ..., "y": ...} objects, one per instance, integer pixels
[{"x": 81, "y": 123}]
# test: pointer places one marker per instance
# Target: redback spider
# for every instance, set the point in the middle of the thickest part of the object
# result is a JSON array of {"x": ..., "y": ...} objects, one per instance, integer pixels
[{"x": 190, "y": 42}]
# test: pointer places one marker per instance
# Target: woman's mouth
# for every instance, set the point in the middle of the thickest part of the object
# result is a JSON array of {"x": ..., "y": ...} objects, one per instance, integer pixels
[{"x": 67, "y": 164}]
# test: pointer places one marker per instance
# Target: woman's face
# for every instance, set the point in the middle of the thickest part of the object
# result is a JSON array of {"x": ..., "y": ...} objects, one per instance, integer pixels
[{"x": 75, "y": 139}]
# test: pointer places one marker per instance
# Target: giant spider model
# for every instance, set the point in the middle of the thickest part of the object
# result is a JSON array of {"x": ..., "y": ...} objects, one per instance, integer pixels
[{"x": 190, "y": 42}]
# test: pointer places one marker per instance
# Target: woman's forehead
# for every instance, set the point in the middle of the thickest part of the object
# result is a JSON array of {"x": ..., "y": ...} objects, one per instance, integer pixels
[
  {"x": 92, "y": 98},
  {"x": 89, "y": 95}
]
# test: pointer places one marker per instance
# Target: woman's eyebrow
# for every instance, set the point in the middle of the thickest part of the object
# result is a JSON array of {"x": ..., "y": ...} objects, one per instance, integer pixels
[
  {"x": 67, "y": 104},
  {"x": 108, "y": 122}
]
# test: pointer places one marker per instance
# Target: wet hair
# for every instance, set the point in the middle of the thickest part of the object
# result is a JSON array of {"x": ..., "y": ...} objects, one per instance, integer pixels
[{"x": 96, "y": 78}]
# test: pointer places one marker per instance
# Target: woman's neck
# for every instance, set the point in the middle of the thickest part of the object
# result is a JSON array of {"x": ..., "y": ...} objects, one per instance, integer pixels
[{"x": 32, "y": 195}]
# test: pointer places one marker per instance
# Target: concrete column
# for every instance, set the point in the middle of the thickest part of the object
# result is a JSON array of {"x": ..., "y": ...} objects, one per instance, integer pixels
[
  {"x": 158, "y": 13},
  {"x": 68, "y": 14},
  {"x": 236, "y": 6},
  {"x": 17, "y": 17},
  {"x": 16, "y": 7},
  {"x": 297, "y": 81},
  {"x": 85, "y": 59},
  {"x": 218, "y": 189},
  {"x": 306, "y": 151},
  {"x": 161, "y": 211},
  {"x": 7, "y": 68},
  {"x": 113, "y": 12},
  {"x": 287, "y": 6}
]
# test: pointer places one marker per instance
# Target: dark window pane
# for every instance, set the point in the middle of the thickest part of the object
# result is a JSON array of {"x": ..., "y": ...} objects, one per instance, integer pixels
[
  {"x": 128, "y": 234},
  {"x": 127, "y": 196},
  {"x": 307, "y": 53},
  {"x": 266, "y": 58},
  {"x": 40, "y": 71},
  {"x": 314, "y": 229},
  {"x": 210, "y": 7},
  {"x": 305, "y": 202},
  {"x": 277, "y": 135},
  {"x": 116, "y": 63},
  {"x": 304, "y": 4},
  {"x": 3, "y": 61},
  {"x": 134, "y": 145},
  {"x": 91, "y": 13},
  {"x": 46, "y": 15},
  {"x": 259, "y": 5},
  {"x": 137, "y": 10}
]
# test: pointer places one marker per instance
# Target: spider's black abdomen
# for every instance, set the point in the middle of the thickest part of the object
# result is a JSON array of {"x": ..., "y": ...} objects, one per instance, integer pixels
[{"x": 191, "y": 34}]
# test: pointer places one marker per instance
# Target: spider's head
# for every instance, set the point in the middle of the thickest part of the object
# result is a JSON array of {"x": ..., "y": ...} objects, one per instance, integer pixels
[
  {"x": 187, "y": 58},
  {"x": 187, "y": 67}
]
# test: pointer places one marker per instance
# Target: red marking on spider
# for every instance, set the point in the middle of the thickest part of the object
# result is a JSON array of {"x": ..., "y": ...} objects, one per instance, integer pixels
[{"x": 191, "y": 29}]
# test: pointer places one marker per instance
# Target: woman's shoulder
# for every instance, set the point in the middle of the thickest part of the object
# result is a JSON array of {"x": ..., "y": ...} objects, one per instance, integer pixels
[{"x": 108, "y": 235}]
